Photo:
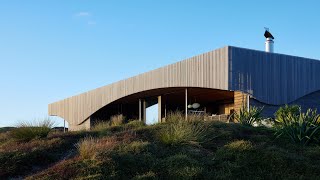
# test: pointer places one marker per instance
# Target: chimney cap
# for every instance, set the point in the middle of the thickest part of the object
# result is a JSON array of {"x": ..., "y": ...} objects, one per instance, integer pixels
[{"x": 267, "y": 34}]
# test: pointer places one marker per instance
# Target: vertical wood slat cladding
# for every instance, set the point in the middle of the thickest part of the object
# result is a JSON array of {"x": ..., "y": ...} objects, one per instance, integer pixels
[
  {"x": 272, "y": 78},
  {"x": 240, "y": 100},
  {"x": 208, "y": 70}
]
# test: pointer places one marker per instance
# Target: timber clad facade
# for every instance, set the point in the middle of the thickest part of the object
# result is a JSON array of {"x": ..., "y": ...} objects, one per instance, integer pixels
[{"x": 221, "y": 80}]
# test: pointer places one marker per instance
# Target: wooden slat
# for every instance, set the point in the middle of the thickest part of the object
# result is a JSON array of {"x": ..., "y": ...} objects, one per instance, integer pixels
[
  {"x": 272, "y": 78},
  {"x": 208, "y": 70}
]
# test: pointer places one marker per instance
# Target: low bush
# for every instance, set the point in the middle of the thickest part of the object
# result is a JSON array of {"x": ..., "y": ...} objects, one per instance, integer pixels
[
  {"x": 301, "y": 128},
  {"x": 180, "y": 166},
  {"x": 26, "y": 131},
  {"x": 76, "y": 168},
  {"x": 135, "y": 124},
  {"x": 233, "y": 148},
  {"x": 134, "y": 147},
  {"x": 148, "y": 175},
  {"x": 239, "y": 152},
  {"x": 248, "y": 117},
  {"x": 5, "y": 129},
  {"x": 19, "y": 158}
]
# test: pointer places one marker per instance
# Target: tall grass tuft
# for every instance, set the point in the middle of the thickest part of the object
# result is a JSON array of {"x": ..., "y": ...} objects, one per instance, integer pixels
[
  {"x": 301, "y": 128},
  {"x": 193, "y": 117},
  {"x": 91, "y": 147},
  {"x": 248, "y": 117},
  {"x": 87, "y": 147},
  {"x": 101, "y": 125},
  {"x": 175, "y": 116},
  {"x": 117, "y": 120},
  {"x": 183, "y": 132},
  {"x": 27, "y": 131},
  {"x": 135, "y": 124}
]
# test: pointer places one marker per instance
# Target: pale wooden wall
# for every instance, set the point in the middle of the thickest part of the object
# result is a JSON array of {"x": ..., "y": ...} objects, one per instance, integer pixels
[
  {"x": 208, "y": 70},
  {"x": 268, "y": 77}
]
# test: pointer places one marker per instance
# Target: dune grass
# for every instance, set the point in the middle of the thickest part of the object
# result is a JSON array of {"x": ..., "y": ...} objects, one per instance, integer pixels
[
  {"x": 173, "y": 150},
  {"x": 182, "y": 132},
  {"x": 26, "y": 131}
]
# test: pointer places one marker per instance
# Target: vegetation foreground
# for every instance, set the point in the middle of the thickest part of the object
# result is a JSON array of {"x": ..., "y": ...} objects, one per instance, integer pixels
[{"x": 172, "y": 150}]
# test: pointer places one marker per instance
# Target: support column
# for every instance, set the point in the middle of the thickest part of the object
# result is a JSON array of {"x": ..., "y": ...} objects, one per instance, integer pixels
[
  {"x": 64, "y": 126},
  {"x": 165, "y": 111},
  {"x": 144, "y": 111},
  {"x": 140, "y": 115},
  {"x": 186, "y": 103},
  {"x": 159, "y": 109},
  {"x": 248, "y": 102}
]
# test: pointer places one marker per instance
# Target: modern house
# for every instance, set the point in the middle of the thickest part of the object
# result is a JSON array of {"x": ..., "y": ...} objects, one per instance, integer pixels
[{"x": 216, "y": 83}]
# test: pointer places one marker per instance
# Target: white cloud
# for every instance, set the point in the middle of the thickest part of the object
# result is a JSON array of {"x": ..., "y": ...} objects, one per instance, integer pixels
[{"x": 82, "y": 14}]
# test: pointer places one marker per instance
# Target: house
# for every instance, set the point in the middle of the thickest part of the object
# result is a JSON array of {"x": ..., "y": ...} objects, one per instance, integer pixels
[{"x": 216, "y": 83}]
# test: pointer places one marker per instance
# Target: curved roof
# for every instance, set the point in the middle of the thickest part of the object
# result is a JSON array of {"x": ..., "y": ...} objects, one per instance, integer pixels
[
  {"x": 270, "y": 78},
  {"x": 208, "y": 70}
]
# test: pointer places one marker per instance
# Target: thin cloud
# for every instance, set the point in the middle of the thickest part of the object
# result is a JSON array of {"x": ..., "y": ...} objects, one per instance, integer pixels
[{"x": 82, "y": 14}]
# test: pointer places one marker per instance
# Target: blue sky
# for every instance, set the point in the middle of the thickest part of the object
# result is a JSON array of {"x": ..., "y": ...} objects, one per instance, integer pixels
[{"x": 50, "y": 50}]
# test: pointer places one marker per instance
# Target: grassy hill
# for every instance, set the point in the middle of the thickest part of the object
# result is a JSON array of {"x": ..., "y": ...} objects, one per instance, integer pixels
[{"x": 176, "y": 150}]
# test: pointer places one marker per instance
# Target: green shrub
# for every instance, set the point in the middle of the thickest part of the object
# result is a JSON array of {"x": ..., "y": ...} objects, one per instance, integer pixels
[
  {"x": 135, "y": 124},
  {"x": 6, "y": 129},
  {"x": 301, "y": 128},
  {"x": 234, "y": 148},
  {"x": 19, "y": 158},
  {"x": 148, "y": 175},
  {"x": 180, "y": 166},
  {"x": 26, "y": 131},
  {"x": 248, "y": 118},
  {"x": 134, "y": 147},
  {"x": 182, "y": 132}
]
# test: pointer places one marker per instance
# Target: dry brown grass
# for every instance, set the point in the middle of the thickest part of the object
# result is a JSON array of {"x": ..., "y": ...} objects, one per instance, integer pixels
[{"x": 90, "y": 147}]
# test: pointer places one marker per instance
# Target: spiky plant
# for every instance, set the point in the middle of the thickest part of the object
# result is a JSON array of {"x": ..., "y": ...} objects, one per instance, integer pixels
[
  {"x": 249, "y": 116},
  {"x": 301, "y": 128}
]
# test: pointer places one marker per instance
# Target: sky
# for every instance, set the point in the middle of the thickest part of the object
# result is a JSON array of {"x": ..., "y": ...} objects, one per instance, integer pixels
[{"x": 50, "y": 50}]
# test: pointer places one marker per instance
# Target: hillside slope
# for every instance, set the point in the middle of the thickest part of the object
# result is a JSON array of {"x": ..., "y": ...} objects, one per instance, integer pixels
[{"x": 180, "y": 150}]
